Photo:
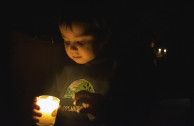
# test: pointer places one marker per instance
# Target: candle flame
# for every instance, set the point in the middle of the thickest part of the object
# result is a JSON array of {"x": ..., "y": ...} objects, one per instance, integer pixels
[
  {"x": 49, "y": 98},
  {"x": 47, "y": 105},
  {"x": 164, "y": 50},
  {"x": 159, "y": 50}
]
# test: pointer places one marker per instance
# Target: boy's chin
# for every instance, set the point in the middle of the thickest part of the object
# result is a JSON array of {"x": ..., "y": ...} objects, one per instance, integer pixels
[{"x": 82, "y": 61}]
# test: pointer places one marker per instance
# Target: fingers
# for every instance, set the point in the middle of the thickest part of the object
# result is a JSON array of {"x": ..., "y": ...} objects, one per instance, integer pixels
[
  {"x": 91, "y": 103},
  {"x": 85, "y": 110},
  {"x": 82, "y": 100},
  {"x": 35, "y": 120},
  {"x": 88, "y": 98},
  {"x": 90, "y": 113},
  {"x": 54, "y": 113},
  {"x": 35, "y": 99},
  {"x": 83, "y": 97},
  {"x": 35, "y": 106},
  {"x": 91, "y": 116},
  {"x": 82, "y": 93},
  {"x": 36, "y": 113},
  {"x": 85, "y": 105}
]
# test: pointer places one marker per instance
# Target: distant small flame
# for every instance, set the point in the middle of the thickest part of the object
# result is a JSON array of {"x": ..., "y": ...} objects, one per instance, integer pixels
[
  {"x": 164, "y": 50},
  {"x": 159, "y": 50}
]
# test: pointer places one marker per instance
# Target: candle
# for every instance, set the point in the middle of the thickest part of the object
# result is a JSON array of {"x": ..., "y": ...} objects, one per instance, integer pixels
[
  {"x": 159, "y": 50},
  {"x": 164, "y": 51},
  {"x": 48, "y": 107}
]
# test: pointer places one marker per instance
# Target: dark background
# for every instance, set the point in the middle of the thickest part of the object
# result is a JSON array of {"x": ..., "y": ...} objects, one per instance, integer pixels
[{"x": 31, "y": 46}]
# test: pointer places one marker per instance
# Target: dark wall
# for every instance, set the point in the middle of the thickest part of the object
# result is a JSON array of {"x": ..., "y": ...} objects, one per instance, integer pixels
[{"x": 29, "y": 56}]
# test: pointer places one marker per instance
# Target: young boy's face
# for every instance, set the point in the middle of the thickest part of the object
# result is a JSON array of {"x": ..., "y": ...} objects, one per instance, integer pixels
[{"x": 80, "y": 44}]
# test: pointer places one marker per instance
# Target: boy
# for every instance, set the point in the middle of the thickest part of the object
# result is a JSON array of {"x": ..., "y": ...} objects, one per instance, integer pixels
[
  {"x": 94, "y": 88},
  {"x": 84, "y": 81}
]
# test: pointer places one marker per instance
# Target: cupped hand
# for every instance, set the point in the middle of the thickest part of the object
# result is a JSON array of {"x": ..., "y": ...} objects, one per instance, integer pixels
[
  {"x": 35, "y": 112},
  {"x": 92, "y": 103}
]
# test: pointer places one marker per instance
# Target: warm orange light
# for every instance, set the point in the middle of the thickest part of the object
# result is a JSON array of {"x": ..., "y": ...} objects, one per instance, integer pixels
[
  {"x": 165, "y": 50},
  {"x": 159, "y": 50},
  {"x": 48, "y": 107}
]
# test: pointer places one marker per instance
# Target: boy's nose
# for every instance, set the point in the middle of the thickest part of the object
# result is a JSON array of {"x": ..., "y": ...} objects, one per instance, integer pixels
[{"x": 73, "y": 48}]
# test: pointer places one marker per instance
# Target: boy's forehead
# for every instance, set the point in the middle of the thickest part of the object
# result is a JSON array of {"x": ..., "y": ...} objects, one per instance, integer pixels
[{"x": 76, "y": 29}]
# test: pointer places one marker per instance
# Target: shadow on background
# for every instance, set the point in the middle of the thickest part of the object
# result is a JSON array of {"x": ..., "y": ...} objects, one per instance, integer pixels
[{"x": 32, "y": 49}]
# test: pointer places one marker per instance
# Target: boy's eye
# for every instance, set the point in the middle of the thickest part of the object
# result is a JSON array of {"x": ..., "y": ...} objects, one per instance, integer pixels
[
  {"x": 80, "y": 42},
  {"x": 67, "y": 42}
]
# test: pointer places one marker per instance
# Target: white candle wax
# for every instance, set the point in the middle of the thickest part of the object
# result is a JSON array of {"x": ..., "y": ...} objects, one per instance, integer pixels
[{"x": 48, "y": 108}]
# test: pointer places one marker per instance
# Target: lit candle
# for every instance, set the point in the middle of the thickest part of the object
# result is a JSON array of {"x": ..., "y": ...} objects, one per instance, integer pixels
[
  {"x": 164, "y": 51},
  {"x": 159, "y": 50},
  {"x": 48, "y": 107}
]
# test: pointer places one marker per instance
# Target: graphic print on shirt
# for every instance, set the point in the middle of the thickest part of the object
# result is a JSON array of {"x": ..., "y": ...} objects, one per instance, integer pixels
[
  {"x": 74, "y": 87},
  {"x": 78, "y": 85}
]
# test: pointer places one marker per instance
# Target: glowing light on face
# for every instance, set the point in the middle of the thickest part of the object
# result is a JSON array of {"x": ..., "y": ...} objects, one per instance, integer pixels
[{"x": 79, "y": 44}]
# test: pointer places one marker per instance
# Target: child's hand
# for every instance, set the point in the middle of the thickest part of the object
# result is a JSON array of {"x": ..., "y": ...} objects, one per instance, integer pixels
[
  {"x": 35, "y": 112},
  {"x": 92, "y": 103}
]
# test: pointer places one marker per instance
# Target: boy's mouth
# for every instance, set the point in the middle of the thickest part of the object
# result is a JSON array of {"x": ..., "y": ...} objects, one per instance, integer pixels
[{"x": 76, "y": 57}]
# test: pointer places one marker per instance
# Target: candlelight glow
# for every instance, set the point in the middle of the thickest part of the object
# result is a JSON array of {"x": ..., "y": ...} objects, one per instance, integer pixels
[
  {"x": 159, "y": 50},
  {"x": 48, "y": 108},
  {"x": 164, "y": 50},
  {"x": 47, "y": 105}
]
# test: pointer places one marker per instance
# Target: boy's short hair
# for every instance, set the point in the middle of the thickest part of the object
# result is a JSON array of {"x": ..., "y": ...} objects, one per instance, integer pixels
[{"x": 85, "y": 13}]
